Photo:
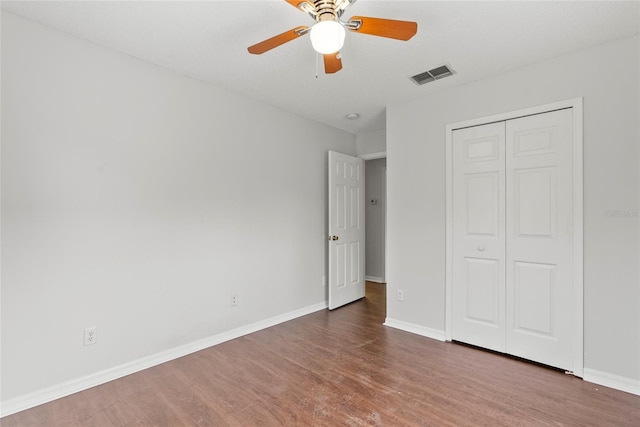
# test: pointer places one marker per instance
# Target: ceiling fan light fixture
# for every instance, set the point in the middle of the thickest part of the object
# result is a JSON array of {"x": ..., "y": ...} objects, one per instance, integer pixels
[{"x": 327, "y": 36}]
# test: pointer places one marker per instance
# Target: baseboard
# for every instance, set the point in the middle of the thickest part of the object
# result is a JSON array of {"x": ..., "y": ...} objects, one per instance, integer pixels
[
  {"x": 374, "y": 279},
  {"x": 415, "y": 329},
  {"x": 611, "y": 380},
  {"x": 57, "y": 391}
]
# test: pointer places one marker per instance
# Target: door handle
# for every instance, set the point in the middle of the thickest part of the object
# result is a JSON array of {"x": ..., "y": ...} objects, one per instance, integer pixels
[
  {"x": 333, "y": 237},
  {"x": 481, "y": 248}
]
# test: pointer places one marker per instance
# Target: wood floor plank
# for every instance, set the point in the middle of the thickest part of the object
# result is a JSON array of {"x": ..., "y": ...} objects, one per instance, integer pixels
[{"x": 341, "y": 368}]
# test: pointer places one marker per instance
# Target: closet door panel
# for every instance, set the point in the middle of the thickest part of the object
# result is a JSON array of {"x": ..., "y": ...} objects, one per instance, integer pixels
[
  {"x": 478, "y": 236},
  {"x": 539, "y": 197}
]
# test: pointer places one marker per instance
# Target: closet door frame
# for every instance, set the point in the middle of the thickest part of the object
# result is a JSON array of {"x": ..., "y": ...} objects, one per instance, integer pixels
[{"x": 578, "y": 276}]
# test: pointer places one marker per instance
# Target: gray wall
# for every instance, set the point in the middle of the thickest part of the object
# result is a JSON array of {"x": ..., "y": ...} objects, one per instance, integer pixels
[
  {"x": 607, "y": 77},
  {"x": 139, "y": 201}
]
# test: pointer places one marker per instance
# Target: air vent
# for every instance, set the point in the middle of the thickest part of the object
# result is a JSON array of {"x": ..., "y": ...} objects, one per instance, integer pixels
[{"x": 432, "y": 75}]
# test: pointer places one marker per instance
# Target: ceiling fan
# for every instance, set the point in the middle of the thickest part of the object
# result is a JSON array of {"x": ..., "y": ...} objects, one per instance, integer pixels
[{"x": 328, "y": 33}]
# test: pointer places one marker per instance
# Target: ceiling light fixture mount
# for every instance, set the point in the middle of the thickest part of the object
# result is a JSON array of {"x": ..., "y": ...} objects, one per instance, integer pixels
[{"x": 352, "y": 116}]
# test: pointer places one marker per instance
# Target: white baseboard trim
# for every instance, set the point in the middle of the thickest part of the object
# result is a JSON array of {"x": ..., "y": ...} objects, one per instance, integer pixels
[
  {"x": 374, "y": 279},
  {"x": 611, "y": 380},
  {"x": 591, "y": 375},
  {"x": 415, "y": 329},
  {"x": 57, "y": 391}
]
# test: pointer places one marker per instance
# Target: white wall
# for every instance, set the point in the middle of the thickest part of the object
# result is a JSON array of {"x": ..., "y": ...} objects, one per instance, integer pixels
[
  {"x": 375, "y": 218},
  {"x": 138, "y": 201},
  {"x": 607, "y": 77},
  {"x": 374, "y": 142}
]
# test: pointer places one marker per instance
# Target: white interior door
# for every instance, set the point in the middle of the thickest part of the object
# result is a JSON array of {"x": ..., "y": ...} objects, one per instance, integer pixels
[
  {"x": 478, "y": 236},
  {"x": 539, "y": 195},
  {"x": 346, "y": 229}
]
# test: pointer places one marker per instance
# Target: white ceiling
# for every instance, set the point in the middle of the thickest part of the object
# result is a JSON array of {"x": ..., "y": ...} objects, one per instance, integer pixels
[{"x": 207, "y": 40}]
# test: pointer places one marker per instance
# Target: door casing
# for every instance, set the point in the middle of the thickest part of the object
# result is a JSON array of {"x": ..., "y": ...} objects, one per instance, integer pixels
[{"x": 578, "y": 276}]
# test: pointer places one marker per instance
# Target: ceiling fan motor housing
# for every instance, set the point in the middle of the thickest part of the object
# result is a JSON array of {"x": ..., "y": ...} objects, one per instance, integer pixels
[{"x": 326, "y": 10}]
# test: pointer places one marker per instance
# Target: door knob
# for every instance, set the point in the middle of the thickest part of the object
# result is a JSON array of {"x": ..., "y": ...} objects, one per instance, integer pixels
[
  {"x": 481, "y": 248},
  {"x": 333, "y": 238}
]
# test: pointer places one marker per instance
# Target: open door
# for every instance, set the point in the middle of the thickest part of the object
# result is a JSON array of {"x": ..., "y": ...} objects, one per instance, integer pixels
[{"x": 346, "y": 229}]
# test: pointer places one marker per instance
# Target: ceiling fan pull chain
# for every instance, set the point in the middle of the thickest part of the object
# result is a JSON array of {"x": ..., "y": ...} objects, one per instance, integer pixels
[{"x": 317, "y": 55}]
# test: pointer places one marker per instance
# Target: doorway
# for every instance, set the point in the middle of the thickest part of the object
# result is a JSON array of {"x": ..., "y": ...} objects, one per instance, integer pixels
[
  {"x": 375, "y": 219},
  {"x": 357, "y": 226}
]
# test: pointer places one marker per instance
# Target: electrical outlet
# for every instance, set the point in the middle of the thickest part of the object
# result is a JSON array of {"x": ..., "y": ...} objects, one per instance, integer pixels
[
  {"x": 234, "y": 300},
  {"x": 324, "y": 281},
  {"x": 400, "y": 295},
  {"x": 90, "y": 336}
]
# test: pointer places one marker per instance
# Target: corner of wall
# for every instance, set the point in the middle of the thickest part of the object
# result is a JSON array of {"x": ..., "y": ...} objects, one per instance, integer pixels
[{"x": 371, "y": 143}]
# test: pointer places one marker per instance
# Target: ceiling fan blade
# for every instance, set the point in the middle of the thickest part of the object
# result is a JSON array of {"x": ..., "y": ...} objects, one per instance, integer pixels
[
  {"x": 400, "y": 30},
  {"x": 278, "y": 40},
  {"x": 332, "y": 62}
]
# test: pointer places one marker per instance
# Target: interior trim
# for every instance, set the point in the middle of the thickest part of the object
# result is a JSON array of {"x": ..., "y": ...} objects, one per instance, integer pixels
[{"x": 58, "y": 391}]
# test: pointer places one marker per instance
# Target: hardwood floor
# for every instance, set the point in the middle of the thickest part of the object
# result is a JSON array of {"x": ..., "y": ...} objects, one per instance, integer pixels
[{"x": 341, "y": 368}]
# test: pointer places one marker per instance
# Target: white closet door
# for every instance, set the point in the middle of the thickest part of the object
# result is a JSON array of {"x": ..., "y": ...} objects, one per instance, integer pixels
[
  {"x": 539, "y": 196},
  {"x": 512, "y": 237},
  {"x": 478, "y": 236}
]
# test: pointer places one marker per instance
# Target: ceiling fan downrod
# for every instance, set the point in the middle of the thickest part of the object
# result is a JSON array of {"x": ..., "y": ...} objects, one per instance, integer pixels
[
  {"x": 326, "y": 10},
  {"x": 323, "y": 10}
]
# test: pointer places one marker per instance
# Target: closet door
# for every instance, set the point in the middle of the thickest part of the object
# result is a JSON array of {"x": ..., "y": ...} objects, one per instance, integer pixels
[
  {"x": 478, "y": 236},
  {"x": 539, "y": 196}
]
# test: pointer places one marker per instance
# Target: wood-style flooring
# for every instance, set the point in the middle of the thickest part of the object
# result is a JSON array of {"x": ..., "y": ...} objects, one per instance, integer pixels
[{"x": 341, "y": 368}]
